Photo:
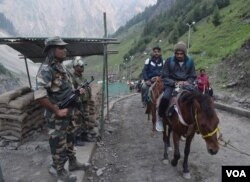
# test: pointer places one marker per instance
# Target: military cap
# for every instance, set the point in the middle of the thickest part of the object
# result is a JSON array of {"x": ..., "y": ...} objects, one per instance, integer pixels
[
  {"x": 53, "y": 41},
  {"x": 79, "y": 61}
]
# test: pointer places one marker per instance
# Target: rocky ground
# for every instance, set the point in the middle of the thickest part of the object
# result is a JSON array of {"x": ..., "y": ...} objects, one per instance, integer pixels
[
  {"x": 230, "y": 78},
  {"x": 29, "y": 162},
  {"x": 128, "y": 152}
]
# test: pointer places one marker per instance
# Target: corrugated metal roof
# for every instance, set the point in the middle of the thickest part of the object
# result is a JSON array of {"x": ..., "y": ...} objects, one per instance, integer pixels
[{"x": 32, "y": 47}]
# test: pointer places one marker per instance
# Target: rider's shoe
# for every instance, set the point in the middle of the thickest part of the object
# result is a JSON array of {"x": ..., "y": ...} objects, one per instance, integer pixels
[{"x": 159, "y": 124}]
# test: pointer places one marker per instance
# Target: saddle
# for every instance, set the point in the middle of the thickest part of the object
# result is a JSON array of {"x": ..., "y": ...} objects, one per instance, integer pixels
[
  {"x": 174, "y": 107},
  {"x": 173, "y": 103}
]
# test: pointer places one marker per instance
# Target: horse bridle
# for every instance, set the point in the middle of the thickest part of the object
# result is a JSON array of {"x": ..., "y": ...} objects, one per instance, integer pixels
[{"x": 197, "y": 124}]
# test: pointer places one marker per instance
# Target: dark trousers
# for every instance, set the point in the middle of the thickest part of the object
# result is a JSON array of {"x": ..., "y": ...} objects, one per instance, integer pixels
[
  {"x": 144, "y": 93},
  {"x": 165, "y": 101}
]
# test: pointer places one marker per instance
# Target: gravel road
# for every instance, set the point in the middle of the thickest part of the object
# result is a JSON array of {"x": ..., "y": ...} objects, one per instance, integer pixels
[{"x": 128, "y": 152}]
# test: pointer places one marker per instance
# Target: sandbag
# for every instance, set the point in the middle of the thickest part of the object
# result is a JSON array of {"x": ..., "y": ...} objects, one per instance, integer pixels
[
  {"x": 6, "y": 97},
  {"x": 22, "y": 101}
]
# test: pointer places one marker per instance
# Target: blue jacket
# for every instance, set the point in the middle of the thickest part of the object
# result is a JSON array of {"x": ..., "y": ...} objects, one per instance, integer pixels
[
  {"x": 173, "y": 71},
  {"x": 152, "y": 68}
]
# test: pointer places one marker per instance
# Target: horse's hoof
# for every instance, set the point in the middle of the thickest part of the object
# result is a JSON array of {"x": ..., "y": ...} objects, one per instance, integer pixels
[
  {"x": 170, "y": 149},
  {"x": 174, "y": 163},
  {"x": 165, "y": 161},
  {"x": 183, "y": 138},
  {"x": 187, "y": 175},
  {"x": 152, "y": 134}
]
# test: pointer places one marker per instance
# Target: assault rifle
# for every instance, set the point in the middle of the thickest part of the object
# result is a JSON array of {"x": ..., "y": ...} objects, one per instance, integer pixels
[{"x": 71, "y": 99}]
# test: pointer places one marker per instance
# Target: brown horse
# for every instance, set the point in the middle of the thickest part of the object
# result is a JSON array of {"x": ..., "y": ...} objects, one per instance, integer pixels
[
  {"x": 197, "y": 115},
  {"x": 155, "y": 91}
]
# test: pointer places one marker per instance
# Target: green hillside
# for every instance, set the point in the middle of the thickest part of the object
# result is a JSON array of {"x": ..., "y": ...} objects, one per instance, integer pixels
[{"x": 211, "y": 43}]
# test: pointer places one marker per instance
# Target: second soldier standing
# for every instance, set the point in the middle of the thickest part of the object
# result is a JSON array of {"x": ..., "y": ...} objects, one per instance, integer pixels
[{"x": 83, "y": 132}]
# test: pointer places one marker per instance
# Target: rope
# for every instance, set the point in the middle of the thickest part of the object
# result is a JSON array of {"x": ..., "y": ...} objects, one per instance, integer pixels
[{"x": 227, "y": 144}]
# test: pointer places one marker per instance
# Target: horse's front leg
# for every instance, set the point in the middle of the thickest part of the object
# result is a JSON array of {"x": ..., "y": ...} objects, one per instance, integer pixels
[
  {"x": 186, "y": 173},
  {"x": 176, "y": 139},
  {"x": 154, "y": 113},
  {"x": 168, "y": 138},
  {"x": 166, "y": 143}
]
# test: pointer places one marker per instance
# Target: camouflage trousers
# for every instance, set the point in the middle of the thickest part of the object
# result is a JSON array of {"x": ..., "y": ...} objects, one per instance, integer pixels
[
  {"x": 61, "y": 141},
  {"x": 83, "y": 120}
]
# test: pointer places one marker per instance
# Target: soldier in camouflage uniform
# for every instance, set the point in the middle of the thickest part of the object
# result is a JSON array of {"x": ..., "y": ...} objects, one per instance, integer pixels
[
  {"x": 78, "y": 79},
  {"x": 53, "y": 85}
]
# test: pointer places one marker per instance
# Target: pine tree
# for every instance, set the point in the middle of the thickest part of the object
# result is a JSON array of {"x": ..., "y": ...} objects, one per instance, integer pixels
[{"x": 216, "y": 17}]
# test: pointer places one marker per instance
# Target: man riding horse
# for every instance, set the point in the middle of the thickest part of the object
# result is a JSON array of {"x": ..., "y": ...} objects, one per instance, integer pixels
[
  {"x": 152, "y": 68},
  {"x": 177, "y": 70}
]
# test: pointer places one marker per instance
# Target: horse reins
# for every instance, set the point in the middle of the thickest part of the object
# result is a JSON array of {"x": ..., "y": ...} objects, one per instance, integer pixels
[{"x": 225, "y": 144}]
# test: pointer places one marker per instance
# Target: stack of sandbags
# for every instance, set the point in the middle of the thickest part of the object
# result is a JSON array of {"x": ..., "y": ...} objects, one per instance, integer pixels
[{"x": 20, "y": 115}]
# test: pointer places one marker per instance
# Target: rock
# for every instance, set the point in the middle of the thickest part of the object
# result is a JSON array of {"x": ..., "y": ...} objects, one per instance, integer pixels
[
  {"x": 99, "y": 144},
  {"x": 11, "y": 147},
  {"x": 114, "y": 121},
  {"x": 110, "y": 129},
  {"x": 90, "y": 178},
  {"x": 241, "y": 77},
  {"x": 232, "y": 84},
  {"x": 240, "y": 64},
  {"x": 99, "y": 172}
]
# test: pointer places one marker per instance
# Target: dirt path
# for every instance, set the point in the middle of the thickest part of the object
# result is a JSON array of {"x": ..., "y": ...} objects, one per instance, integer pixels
[{"x": 129, "y": 153}]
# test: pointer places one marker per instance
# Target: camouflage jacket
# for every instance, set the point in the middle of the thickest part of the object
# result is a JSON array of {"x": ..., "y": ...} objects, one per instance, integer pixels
[
  {"x": 77, "y": 81},
  {"x": 53, "y": 81}
]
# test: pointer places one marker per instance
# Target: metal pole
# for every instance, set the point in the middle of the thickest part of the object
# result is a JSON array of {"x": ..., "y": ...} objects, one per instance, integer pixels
[
  {"x": 189, "y": 31},
  {"x": 106, "y": 60},
  {"x": 103, "y": 83},
  {"x": 27, "y": 69}
]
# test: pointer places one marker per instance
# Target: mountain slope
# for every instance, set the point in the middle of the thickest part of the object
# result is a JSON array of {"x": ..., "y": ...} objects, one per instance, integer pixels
[{"x": 69, "y": 18}]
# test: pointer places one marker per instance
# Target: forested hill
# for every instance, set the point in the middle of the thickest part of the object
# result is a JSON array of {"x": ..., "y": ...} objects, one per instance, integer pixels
[
  {"x": 221, "y": 33},
  {"x": 170, "y": 22}
]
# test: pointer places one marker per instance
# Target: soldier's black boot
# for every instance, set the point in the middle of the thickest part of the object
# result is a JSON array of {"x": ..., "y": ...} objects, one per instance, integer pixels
[
  {"x": 75, "y": 165},
  {"x": 86, "y": 138},
  {"x": 79, "y": 141},
  {"x": 65, "y": 176}
]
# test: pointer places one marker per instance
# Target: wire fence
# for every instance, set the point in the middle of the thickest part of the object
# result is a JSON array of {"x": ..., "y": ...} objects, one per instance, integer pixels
[{"x": 118, "y": 89}]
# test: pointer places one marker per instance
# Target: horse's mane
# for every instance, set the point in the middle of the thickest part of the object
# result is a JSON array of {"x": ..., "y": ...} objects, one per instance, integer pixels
[
  {"x": 158, "y": 86},
  {"x": 204, "y": 101}
]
